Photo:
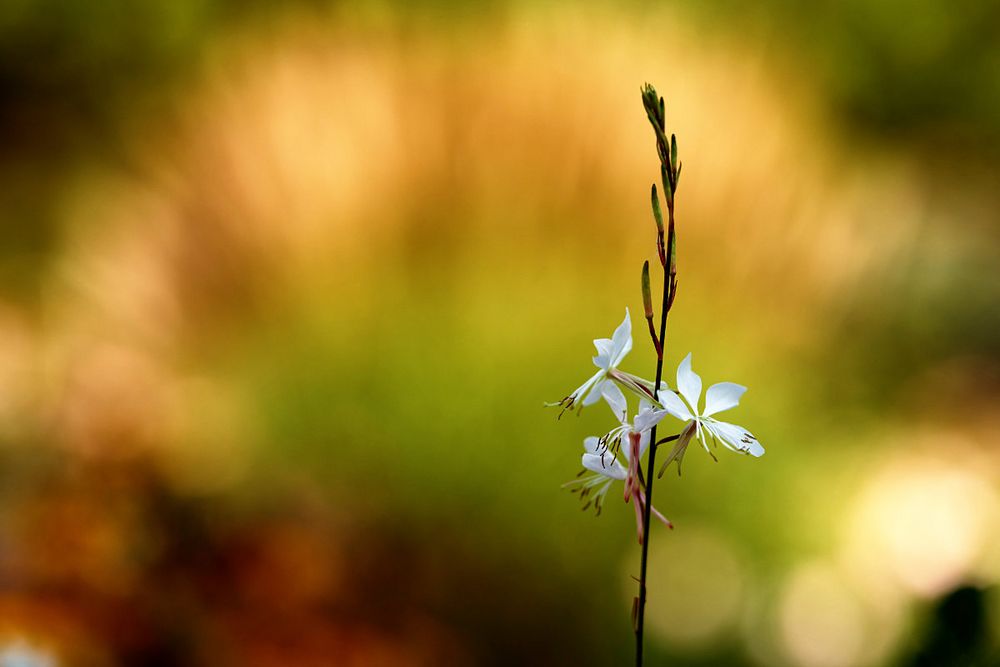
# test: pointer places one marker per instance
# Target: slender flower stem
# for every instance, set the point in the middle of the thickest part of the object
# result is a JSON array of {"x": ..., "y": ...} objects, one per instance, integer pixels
[
  {"x": 669, "y": 172},
  {"x": 650, "y": 467}
]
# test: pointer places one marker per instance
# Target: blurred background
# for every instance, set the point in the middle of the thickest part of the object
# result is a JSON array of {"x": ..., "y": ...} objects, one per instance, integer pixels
[{"x": 282, "y": 292}]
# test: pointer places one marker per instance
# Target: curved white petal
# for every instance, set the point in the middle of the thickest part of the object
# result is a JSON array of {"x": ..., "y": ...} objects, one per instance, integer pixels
[
  {"x": 595, "y": 391},
  {"x": 689, "y": 384},
  {"x": 604, "y": 348},
  {"x": 616, "y": 399},
  {"x": 605, "y": 464},
  {"x": 581, "y": 391},
  {"x": 646, "y": 419},
  {"x": 672, "y": 403},
  {"x": 621, "y": 340},
  {"x": 734, "y": 437},
  {"x": 722, "y": 396},
  {"x": 592, "y": 445}
]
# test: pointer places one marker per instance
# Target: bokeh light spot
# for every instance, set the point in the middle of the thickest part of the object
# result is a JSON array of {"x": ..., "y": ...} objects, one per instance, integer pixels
[
  {"x": 922, "y": 525},
  {"x": 696, "y": 585},
  {"x": 822, "y": 623}
]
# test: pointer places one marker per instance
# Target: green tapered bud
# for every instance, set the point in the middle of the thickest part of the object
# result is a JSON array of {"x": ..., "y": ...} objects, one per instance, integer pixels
[
  {"x": 647, "y": 295},
  {"x": 672, "y": 252},
  {"x": 673, "y": 156},
  {"x": 649, "y": 99},
  {"x": 657, "y": 214}
]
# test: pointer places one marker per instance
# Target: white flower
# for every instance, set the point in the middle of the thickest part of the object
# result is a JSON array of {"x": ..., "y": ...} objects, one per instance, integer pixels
[
  {"x": 701, "y": 424},
  {"x": 645, "y": 419},
  {"x": 610, "y": 353},
  {"x": 600, "y": 458}
]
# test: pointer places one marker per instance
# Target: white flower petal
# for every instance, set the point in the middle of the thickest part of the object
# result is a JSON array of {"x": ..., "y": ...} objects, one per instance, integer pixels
[
  {"x": 722, "y": 396},
  {"x": 621, "y": 341},
  {"x": 595, "y": 391},
  {"x": 616, "y": 399},
  {"x": 734, "y": 437},
  {"x": 689, "y": 384},
  {"x": 605, "y": 464},
  {"x": 592, "y": 445},
  {"x": 646, "y": 419},
  {"x": 672, "y": 403},
  {"x": 604, "y": 348},
  {"x": 581, "y": 391}
]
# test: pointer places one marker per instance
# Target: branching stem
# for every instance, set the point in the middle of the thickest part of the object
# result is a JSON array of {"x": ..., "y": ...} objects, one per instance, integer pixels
[
  {"x": 669, "y": 172},
  {"x": 656, "y": 340},
  {"x": 640, "y": 615}
]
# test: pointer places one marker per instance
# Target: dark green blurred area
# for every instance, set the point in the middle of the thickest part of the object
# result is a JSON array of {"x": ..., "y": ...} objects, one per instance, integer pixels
[
  {"x": 282, "y": 291},
  {"x": 918, "y": 73},
  {"x": 922, "y": 72}
]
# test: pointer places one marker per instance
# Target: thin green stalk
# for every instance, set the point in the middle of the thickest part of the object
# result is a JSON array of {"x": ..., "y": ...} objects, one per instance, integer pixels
[
  {"x": 650, "y": 467},
  {"x": 669, "y": 171}
]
